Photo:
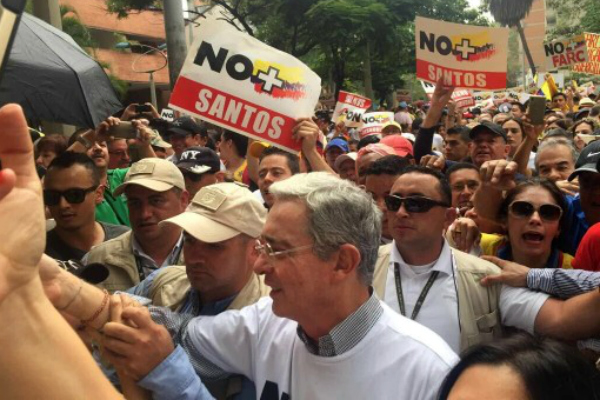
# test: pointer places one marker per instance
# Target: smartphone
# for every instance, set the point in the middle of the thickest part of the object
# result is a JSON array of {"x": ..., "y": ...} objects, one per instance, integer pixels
[
  {"x": 124, "y": 130},
  {"x": 142, "y": 108},
  {"x": 10, "y": 15},
  {"x": 537, "y": 109}
]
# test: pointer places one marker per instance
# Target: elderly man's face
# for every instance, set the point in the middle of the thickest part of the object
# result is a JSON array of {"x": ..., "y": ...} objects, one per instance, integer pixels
[{"x": 299, "y": 281}]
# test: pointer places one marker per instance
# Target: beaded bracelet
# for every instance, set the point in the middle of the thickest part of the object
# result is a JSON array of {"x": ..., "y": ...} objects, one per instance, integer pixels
[{"x": 99, "y": 311}]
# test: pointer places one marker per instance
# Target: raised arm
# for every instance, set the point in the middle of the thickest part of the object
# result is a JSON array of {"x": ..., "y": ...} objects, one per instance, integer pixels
[{"x": 42, "y": 356}]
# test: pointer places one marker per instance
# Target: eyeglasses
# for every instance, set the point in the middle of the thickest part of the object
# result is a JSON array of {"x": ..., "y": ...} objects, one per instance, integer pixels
[
  {"x": 72, "y": 196},
  {"x": 412, "y": 204},
  {"x": 265, "y": 248},
  {"x": 524, "y": 209}
]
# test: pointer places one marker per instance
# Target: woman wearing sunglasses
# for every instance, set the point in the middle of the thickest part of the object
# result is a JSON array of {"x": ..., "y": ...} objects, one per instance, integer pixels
[{"x": 532, "y": 214}]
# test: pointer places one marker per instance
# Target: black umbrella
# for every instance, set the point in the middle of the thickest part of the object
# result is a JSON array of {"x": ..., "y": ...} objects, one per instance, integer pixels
[{"x": 53, "y": 79}]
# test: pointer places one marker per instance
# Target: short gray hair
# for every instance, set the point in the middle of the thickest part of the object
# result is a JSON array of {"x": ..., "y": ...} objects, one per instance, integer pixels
[
  {"x": 339, "y": 212},
  {"x": 556, "y": 142}
]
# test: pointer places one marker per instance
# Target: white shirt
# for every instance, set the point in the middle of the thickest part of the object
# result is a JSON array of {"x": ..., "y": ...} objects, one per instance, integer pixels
[
  {"x": 518, "y": 307},
  {"x": 397, "y": 359}
]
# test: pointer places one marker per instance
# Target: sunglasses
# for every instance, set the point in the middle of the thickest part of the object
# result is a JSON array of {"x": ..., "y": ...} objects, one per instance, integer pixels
[
  {"x": 412, "y": 204},
  {"x": 72, "y": 196},
  {"x": 524, "y": 209}
]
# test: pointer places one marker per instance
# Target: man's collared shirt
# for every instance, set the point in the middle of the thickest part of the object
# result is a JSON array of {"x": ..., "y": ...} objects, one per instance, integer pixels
[
  {"x": 440, "y": 308},
  {"x": 440, "y": 311},
  {"x": 347, "y": 333},
  {"x": 146, "y": 265}
]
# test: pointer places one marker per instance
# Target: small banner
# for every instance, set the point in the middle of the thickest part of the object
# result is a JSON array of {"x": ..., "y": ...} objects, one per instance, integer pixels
[
  {"x": 167, "y": 114},
  {"x": 350, "y": 108},
  {"x": 566, "y": 52},
  {"x": 235, "y": 81},
  {"x": 470, "y": 57},
  {"x": 592, "y": 66},
  {"x": 373, "y": 122}
]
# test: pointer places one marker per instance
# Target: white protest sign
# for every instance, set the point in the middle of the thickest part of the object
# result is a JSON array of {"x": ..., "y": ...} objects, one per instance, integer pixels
[
  {"x": 566, "y": 52},
  {"x": 167, "y": 114},
  {"x": 373, "y": 122},
  {"x": 235, "y": 81},
  {"x": 350, "y": 109},
  {"x": 471, "y": 57},
  {"x": 462, "y": 97}
]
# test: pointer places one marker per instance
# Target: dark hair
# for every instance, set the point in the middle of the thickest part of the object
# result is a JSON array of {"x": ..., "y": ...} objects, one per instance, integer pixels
[
  {"x": 550, "y": 186},
  {"x": 549, "y": 369},
  {"x": 240, "y": 142},
  {"x": 293, "y": 161},
  {"x": 417, "y": 124},
  {"x": 595, "y": 111},
  {"x": 558, "y": 133},
  {"x": 367, "y": 140},
  {"x": 53, "y": 142},
  {"x": 458, "y": 167},
  {"x": 559, "y": 94},
  {"x": 590, "y": 121},
  {"x": 73, "y": 138},
  {"x": 70, "y": 158},
  {"x": 519, "y": 104},
  {"x": 444, "y": 187},
  {"x": 388, "y": 165},
  {"x": 518, "y": 121},
  {"x": 463, "y": 131}
]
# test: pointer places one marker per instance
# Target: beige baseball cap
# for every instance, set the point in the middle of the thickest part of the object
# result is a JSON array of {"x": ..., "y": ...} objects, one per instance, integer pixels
[
  {"x": 220, "y": 212},
  {"x": 153, "y": 173}
]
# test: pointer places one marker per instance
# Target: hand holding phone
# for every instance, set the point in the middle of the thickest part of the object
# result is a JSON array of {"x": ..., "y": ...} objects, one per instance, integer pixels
[{"x": 123, "y": 130}]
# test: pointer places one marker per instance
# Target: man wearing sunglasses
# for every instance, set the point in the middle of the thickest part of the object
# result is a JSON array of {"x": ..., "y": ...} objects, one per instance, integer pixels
[
  {"x": 200, "y": 167},
  {"x": 71, "y": 192},
  {"x": 155, "y": 191},
  {"x": 421, "y": 277}
]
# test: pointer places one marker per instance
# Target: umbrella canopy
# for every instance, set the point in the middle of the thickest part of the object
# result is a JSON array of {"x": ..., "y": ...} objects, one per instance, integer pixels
[{"x": 53, "y": 79}]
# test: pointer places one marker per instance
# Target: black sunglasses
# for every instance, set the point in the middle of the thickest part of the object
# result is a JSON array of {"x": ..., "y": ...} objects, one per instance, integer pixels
[
  {"x": 524, "y": 209},
  {"x": 412, "y": 204},
  {"x": 72, "y": 196}
]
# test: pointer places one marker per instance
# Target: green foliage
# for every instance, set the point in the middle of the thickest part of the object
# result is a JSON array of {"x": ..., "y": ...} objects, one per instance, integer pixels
[
  {"x": 72, "y": 26},
  {"x": 509, "y": 12},
  {"x": 124, "y": 7}
]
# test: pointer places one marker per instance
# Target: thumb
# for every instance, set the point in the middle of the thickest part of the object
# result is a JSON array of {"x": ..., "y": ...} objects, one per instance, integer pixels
[
  {"x": 490, "y": 280},
  {"x": 140, "y": 316},
  {"x": 495, "y": 260}
]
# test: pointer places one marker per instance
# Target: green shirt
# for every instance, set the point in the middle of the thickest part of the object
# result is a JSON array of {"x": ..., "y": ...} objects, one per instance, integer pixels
[{"x": 113, "y": 210}]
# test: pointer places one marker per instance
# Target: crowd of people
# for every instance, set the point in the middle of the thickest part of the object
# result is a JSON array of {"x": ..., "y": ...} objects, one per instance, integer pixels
[{"x": 453, "y": 255}]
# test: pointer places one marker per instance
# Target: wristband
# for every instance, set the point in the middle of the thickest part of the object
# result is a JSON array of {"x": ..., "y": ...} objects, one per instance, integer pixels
[{"x": 99, "y": 310}]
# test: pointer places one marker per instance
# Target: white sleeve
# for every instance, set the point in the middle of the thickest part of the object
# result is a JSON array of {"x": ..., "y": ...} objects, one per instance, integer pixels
[
  {"x": 229, "y": 339},
  {"x": 519, "y": 307}
]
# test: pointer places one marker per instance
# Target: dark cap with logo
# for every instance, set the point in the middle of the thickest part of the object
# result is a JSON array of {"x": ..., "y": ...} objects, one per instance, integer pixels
[
  {"x": 588, "y": 160},
  {"x": 199, "y": 160},
  {"x": 186, "y": 126},
  {"x": 486, "y": 126}
]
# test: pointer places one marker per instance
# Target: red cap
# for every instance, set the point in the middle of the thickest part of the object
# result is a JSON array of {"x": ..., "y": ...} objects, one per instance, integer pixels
[{"x": 401, "y": 145}]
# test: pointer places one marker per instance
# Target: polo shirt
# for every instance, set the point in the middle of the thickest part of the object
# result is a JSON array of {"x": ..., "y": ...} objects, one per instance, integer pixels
[{"x": 113, "y": 209}]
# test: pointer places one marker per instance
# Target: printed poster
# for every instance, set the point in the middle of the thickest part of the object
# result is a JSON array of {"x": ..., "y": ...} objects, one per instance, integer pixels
[
  {"x": 350, "y": 108},
  {"x": 465, "y": 56},
  {"x": 373, "y": 122},
  {"x": 462, "y": 97},
  {"x": 592, "y": 66},
  {"x": 566, "y": 52},
  {"x": 235, "y": 81}
]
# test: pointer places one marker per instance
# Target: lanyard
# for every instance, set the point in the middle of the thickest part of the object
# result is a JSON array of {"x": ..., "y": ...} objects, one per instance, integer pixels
[{"x": 422, "y": 296}]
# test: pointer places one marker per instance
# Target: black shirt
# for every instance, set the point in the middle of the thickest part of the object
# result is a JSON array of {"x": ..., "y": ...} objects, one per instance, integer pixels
[{"x": 61, "y": 250}]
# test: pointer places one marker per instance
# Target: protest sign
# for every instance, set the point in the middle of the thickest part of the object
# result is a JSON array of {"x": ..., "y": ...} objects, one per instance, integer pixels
[
  {"x": 592, "y": 66},
  {"x": 373, "y": 122},
  {"x": 566, "y": 52},
  {"x": 470, "y": 57},
  {"x": 462, "y": 97},
  {"x": 167, "y": 114},
  {"x": 350, "y": 109},
  {"x": 233, "y": 80}
]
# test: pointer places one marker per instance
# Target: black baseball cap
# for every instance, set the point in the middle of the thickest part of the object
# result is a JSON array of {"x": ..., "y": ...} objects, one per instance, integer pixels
[
  {"x": 199, "y": 160},
  {"x": 186, "y": 126},
  {"x": 486, "y": 126},
  {"x": 588, "y": 160}
]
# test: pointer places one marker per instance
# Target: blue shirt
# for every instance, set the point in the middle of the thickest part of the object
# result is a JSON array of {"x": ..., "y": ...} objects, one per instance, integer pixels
[{"x": 575, "y": 226}]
